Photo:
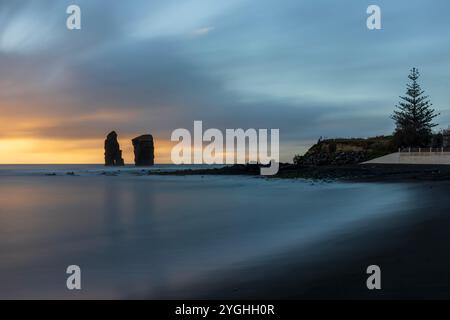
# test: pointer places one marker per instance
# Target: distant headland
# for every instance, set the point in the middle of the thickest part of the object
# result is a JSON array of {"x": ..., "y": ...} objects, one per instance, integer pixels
[{"x": 413, "y": 152}]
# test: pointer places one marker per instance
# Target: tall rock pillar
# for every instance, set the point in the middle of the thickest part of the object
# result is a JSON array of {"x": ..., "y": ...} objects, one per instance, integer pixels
[
  {"x": 144, "y": 153},
  {"x": 113, "y": 154}
]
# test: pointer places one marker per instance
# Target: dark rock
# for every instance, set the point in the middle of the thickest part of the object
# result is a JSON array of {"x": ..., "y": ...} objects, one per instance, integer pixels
[
  {"x": 335, "y": 158},
  {"x": 345, "y": 151},
  {"x": 143, "y": 150},
  {"x": 113, "y": 154},
  {"x": 446, "y": 138}
]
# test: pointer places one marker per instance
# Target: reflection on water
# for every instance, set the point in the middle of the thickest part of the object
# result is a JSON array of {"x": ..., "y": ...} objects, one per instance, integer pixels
[{"x": 146, "y": 236}]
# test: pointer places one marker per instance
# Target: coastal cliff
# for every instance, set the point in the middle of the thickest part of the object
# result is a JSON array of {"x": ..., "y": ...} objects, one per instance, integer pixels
[{"x": 346, "y": 151}]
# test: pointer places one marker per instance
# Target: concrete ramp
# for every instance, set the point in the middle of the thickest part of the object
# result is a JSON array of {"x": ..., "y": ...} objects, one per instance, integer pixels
[{"x": 413, "y": 158}]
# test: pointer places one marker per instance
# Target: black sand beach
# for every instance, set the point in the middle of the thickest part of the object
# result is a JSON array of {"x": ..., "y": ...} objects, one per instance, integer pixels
[
  {"x": 413, "y": 252},
  {"x": 411, "y": 248}
]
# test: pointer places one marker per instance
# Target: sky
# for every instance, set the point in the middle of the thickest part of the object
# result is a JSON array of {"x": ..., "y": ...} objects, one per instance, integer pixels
[{"x": 307, "y": 68}]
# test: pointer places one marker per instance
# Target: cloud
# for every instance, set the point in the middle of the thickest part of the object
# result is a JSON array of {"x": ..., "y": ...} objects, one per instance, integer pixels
[
  {"x": 27, "y": 28},
  {"x": 308, "y": 68},
  {"x": 203, "y": 31}
]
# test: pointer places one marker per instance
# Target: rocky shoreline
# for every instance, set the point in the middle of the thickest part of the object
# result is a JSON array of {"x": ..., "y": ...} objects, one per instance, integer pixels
[{"x": 362, "y": 172}]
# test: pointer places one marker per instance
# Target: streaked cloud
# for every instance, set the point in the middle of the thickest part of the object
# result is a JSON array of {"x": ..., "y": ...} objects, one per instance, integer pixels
[
  {"x": 203, "y": 31},
  {"x": 308, "y": 68}
]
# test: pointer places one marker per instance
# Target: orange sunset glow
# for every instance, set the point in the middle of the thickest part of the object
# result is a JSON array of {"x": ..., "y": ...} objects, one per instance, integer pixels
[
  {"x": 29, "y": 137},
  {"x": 82, "y": 151}
]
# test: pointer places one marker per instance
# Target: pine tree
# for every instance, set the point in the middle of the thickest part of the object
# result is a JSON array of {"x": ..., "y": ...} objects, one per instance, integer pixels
[{"x": 414, "y": 116}]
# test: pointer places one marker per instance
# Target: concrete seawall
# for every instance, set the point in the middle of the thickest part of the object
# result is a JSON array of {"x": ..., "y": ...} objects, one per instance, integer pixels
[{"x": 413, "y": 158}]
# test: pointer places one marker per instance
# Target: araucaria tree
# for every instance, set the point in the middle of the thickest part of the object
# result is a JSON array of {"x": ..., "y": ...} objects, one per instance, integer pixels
[{"x": 414, "y": 116}]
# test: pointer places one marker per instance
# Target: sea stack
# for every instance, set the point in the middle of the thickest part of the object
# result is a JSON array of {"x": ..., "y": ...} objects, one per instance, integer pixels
[
  {"x": 143, "y": 150},
  {"x": 113, "y": 154}
]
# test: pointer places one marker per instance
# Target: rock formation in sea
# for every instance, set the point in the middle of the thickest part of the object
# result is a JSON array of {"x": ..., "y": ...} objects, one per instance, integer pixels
[
  {"x": 113, "y": 154},
  {"x": 143, "y": 150}
]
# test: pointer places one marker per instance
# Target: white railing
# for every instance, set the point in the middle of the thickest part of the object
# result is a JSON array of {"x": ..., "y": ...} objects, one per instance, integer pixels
[{"x": 423, "y": 150}]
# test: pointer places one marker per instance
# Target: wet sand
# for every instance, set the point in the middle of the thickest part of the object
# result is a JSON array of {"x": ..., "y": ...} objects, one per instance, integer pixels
[{"x": 412, "y": 249}]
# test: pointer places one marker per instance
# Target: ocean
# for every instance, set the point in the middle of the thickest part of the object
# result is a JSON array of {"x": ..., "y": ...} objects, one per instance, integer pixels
[{"x": 140, "y": 236}]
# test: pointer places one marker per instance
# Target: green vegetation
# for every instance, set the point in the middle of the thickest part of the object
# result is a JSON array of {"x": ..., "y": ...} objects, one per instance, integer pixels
[
  {"x": 346, "y": 151},
  {"x": 414, "y": 116}
]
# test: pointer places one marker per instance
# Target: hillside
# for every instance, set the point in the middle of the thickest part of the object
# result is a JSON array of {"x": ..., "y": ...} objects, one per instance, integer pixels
[{"x": 346, "y": 151}]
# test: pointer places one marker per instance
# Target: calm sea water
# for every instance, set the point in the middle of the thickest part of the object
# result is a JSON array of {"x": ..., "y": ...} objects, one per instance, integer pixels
[{"x": 162, "y": 236}]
